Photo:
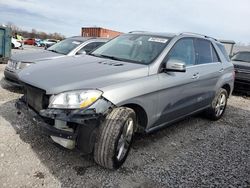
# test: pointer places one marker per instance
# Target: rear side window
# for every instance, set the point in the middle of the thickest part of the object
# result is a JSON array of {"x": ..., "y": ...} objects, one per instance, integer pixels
[
  {"x": 214, "y": 54},
  {"x": 223, "y": 50}
]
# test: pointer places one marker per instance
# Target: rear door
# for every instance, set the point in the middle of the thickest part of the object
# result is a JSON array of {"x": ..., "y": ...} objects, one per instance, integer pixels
[{"x": 210, "y": 69}]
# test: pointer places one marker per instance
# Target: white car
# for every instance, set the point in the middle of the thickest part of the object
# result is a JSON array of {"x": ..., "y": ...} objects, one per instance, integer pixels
[
  {"x": 49, "y": 42},
  {"x": 15, "y": 43}
]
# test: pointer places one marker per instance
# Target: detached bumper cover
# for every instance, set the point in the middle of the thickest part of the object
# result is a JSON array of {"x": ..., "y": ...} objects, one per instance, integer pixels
[
  {"x": 44, "y": 127},
  {"x": 85, "y": 122}
]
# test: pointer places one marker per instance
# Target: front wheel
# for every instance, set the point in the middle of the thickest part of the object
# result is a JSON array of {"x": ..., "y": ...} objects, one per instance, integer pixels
[
  {"x": 218, "y": 106},
  {"x": 114, "y": 138}
]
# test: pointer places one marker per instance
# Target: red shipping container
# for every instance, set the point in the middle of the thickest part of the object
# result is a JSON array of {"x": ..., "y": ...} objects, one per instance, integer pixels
[{"x": 99, "y": 32}]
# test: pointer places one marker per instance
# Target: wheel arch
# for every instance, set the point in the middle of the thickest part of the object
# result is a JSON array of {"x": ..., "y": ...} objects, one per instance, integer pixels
[
  {"x": 141, "y": 115},
  {"x": 227, "y": 88}
]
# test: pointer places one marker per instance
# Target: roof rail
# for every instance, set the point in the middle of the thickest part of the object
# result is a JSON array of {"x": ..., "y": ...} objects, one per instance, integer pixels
[
  {"x": 197, "y": 34},
  {"x": 137, "y": 32}
]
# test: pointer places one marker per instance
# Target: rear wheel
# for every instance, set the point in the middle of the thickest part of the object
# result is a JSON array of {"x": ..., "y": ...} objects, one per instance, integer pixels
[
  {"x": 218, "y": 106},
  {"x": 114, "y": 138},
  {"x": 12, "y": 46}
]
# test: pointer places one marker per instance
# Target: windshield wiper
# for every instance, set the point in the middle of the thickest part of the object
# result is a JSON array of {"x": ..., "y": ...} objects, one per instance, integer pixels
[
  {"x": 115, "y": 58},
  {"x": 54, "y": 51}
]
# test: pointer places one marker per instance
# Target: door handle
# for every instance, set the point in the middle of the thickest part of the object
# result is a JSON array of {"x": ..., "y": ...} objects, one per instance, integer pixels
[
  {"x": 221, "y": 70},
  {"x": 196, "y": 76}
]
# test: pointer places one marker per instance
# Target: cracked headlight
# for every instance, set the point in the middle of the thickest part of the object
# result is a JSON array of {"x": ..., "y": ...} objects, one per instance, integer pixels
[{"x": 74, "y": 99}]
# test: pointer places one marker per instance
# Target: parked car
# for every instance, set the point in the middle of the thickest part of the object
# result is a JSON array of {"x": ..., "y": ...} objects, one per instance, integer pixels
[
  {"x": 68, "y": 47},
  {"x": 137, "y": 82},
  {"x": 39, "y": 42},
  {"x": 15, "y": 43},
  {"x": 241, "y": 61},
  {"x": 30, "y": 41},
  {"x": 49, "y": 42}
]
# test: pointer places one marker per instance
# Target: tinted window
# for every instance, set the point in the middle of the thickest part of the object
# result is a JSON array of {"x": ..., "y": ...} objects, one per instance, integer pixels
[
  {"x": 223, "y": 50},
  {"x": 203, "y": 51},
  {"x": 183, "y": 50},
  {"x": 215, "y": 55},
  {"x": 242, "y": 56}
]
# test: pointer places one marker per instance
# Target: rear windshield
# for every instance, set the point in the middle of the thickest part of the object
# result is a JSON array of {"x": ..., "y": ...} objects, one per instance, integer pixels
[
  {"x": 242, "y": 56},
  {"x": 223, "y": 50}
]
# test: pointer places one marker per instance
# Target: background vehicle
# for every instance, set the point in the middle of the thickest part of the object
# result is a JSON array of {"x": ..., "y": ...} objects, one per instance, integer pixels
[
  {"x": 15, "y": 43},
  {"x": 49, "y": 42},
  {"x": 137, "y": 82},
  {"x": 68, "y": 47},
  {"x": 30, "y": 41},
  {"x": 241, "y": 61}
]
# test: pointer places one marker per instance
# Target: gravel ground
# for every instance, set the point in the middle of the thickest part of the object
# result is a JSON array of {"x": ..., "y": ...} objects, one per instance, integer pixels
[{"x": 192, "y": 153}]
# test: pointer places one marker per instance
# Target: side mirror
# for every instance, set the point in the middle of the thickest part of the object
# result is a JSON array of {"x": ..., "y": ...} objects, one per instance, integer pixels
[
  {"x": 81, "y": 52},
  {"x": 175, "y": 65}
]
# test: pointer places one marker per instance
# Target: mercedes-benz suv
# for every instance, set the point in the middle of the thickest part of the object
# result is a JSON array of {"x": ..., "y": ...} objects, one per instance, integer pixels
[{"x": 137, "y": 82}]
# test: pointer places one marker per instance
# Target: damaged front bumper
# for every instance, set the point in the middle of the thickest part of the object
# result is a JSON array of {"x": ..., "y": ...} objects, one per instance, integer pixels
[{"x": 83, "y": 122}]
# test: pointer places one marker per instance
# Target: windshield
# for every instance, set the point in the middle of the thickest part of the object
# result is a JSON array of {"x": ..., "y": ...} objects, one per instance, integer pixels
[
  {"x": 242, "y": 56},
  {"x": 134, "y": 48},
  {"x": 64, "y": 46}
]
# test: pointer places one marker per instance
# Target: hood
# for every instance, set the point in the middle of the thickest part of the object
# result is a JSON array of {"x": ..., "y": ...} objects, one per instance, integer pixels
[
  {"x": 85, "y": 72},
  {"x": 35, "y": 56}
]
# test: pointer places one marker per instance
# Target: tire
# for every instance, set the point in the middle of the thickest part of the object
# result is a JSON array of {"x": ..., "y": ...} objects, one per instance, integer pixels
[
  {"x": 12, "y": 46},
  {"x": 218, "y": 106},
  {"x": 111, "y": 149}
]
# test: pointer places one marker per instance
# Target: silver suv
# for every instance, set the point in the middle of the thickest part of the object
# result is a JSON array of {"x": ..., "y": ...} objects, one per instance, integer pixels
[{"x": 137, "y": 82}]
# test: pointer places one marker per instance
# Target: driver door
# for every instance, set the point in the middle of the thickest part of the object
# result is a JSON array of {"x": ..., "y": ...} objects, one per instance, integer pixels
[{"x": 180, "y": 90}]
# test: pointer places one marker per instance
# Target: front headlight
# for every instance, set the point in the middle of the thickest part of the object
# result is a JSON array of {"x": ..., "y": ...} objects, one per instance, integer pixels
[
  {"x": 74, "y": 99},
  {"x": 21, "y": 65},
  {"x": 12, "y": 64},
  {"x": 9, "y": 63}
]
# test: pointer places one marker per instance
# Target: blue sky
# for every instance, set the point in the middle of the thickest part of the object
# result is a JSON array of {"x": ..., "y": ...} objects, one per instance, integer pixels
[{"x": 223, "y": 19}]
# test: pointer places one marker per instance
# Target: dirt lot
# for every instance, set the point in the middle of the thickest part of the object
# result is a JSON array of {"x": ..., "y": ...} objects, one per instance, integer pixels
[{"x": 192, "y": 153}]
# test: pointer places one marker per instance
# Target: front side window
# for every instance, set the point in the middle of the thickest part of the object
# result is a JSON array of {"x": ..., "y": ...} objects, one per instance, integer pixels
[
  {"x": 91, "y": 46},
  {"x": 184, "y": 51},
  {"x": 242, "y": 56},
  {"x": 203, "y": 51},
  {"x": 65, "y": 46},
  {"x": 137, "y": 48}
]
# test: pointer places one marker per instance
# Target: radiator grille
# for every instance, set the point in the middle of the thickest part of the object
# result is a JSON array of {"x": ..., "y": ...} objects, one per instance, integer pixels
[{"x": 36, "y": 98}]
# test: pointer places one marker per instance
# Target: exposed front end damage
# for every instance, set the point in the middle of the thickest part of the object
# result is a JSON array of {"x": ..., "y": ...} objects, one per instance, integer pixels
[{"x": 69, "y": 128}]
